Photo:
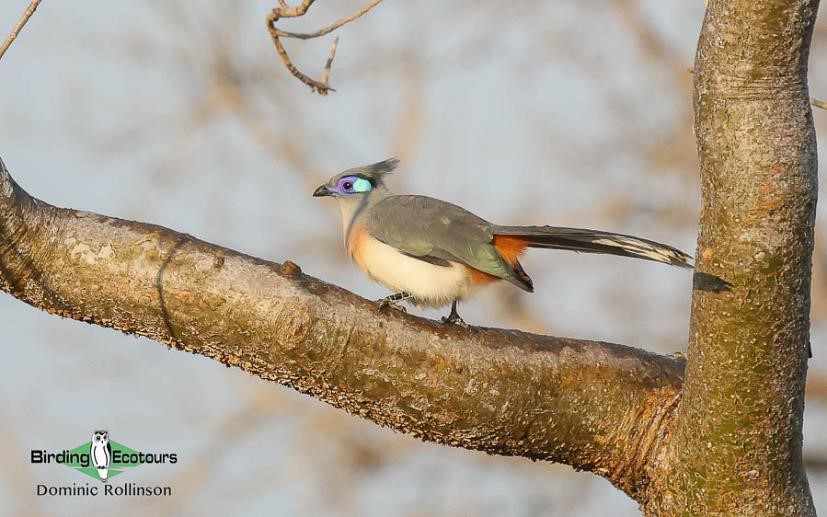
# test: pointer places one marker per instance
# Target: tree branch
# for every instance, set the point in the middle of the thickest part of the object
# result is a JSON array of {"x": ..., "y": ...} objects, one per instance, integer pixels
[
  {"x": 595, "y": 406},
  {"x": 736, "y": 443},
  {"x": 17, "y": 28},
  {"x": 285, "y": 11}
]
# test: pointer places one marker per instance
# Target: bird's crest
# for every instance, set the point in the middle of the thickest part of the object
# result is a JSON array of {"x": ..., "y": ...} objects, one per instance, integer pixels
[{"x": 373, "y": 172}]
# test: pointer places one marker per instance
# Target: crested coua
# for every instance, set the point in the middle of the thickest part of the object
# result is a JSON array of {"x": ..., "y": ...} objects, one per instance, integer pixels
[{"x": 434, "y": 253}]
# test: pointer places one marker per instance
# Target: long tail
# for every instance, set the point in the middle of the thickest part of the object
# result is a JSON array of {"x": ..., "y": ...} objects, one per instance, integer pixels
[{"x": 593, "y": 241}]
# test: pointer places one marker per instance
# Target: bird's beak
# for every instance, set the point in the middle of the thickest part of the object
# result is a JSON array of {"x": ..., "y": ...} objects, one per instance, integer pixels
[{"x": 322, "y": 191}]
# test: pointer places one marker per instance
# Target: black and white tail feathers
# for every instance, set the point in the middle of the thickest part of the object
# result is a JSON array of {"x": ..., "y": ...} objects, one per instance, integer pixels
[{"x": 594, "y": 241}]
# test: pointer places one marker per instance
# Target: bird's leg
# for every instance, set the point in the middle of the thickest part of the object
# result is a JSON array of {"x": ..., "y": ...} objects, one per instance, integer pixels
[
  {"x": 392, "y": 301},
  {"x": 454, "y": 318}
]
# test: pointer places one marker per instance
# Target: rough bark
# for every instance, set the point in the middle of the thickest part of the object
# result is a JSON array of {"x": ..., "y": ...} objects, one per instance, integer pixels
[
  {"x": 595, "y": 406},
  {"x": 736, "y": 442}
]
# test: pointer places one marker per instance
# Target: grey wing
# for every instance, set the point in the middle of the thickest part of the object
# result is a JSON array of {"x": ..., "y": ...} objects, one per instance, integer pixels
[{"x": 435, "y": 230}]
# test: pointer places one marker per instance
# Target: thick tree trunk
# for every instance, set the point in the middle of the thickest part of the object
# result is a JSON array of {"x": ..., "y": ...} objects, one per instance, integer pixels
[{"x": 735, "y": 446}]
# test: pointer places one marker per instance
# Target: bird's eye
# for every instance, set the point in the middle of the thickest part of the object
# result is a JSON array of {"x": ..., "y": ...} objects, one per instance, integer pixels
[{"x": 347, "y": 185}]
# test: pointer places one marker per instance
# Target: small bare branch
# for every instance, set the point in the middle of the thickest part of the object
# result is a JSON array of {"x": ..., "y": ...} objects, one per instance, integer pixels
[
  {"x": 285, "y": 11},
  {"x": 17, "y": 28},
  {"x": 330, "y": 56},
  {"x": 332, "y": 27}
]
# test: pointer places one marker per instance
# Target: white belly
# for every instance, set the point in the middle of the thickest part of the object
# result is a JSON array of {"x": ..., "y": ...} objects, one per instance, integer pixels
[{"x": 431, "y": 285}]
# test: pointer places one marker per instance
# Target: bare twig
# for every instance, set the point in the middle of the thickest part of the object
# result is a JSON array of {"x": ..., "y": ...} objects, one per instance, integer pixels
[
  {"x": 17, "y": 28},
  {"x": 330, "y": 56},
  {"x": 285, "y": 11},
  {"x": 332, "y": 27}
]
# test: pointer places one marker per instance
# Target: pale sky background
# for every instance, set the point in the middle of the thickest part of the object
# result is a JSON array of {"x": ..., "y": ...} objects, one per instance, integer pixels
[{"x": 565, "y": 113}]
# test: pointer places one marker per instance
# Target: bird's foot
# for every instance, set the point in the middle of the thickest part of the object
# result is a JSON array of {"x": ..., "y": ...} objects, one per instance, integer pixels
[
  {"x": 393, "y": 300},
  {"x": 384, "y": 303},
  {"x": 454, "y": 318}
]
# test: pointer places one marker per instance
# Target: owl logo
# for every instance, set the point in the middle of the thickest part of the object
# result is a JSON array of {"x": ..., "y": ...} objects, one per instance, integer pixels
[{"x": 101, "y": 453}]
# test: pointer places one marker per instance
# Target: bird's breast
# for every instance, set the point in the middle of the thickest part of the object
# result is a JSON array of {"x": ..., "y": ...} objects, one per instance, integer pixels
[{"x": 431, "y": 285}]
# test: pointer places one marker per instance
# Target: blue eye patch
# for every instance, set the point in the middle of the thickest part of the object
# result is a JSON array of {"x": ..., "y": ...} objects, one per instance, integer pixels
[
  {"x": 362, "y": 185},
  {"x": 353, "y": 185}
]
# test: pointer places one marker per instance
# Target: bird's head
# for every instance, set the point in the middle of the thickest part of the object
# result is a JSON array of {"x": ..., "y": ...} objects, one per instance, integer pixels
[{"x": 356, "y": 183}]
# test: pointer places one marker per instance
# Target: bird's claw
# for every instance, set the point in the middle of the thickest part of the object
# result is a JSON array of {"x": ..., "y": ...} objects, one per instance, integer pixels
[
  {"x": 454, "y": 319},
  {"x": 391, "y": 303}
]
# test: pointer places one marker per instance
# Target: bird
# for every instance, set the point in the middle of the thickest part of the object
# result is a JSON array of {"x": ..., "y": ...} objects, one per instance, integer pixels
[
  {"x": 101, "y": 453},
  {"x": 432, "y": 253}
]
